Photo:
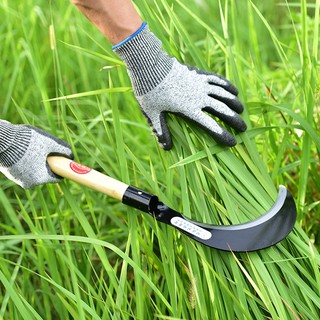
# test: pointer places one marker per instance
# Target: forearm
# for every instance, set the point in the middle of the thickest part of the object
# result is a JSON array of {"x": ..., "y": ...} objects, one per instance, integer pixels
[{"x": 116, "y": 19}]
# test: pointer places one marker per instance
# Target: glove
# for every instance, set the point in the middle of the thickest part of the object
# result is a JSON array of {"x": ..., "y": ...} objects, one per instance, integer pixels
[
  {"x": 23, "y": 153},
  {"x": 161, "y": 84}
]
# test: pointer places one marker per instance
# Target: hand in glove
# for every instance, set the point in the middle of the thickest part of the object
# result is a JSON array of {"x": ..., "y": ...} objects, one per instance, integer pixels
[
  {"x": 23, "y": 154},
  {"x": 161, "y": 84}
]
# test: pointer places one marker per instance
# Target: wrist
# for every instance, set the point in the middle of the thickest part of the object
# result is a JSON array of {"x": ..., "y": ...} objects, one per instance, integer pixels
[{"x": 131, "y": 36}]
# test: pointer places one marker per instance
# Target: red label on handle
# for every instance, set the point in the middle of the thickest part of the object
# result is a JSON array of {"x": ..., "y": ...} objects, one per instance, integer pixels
[{"x": 79, "y": 168}]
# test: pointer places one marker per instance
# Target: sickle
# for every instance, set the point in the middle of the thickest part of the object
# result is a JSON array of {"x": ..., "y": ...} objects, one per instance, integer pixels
[{"x": 257, "y": 234}]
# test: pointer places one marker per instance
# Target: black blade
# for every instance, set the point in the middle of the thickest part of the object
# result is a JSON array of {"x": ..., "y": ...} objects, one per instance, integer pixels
[
  {"x": 254, "y": 235},
  {"x": 257, "y": 234}
]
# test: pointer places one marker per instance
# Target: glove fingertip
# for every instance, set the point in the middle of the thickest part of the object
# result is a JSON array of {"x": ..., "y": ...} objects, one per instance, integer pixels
[
  {"x": 165, "y": 144},
  {"x": 237, "y": 106},
  {"x": 224, "y": 137},
  {"x": 231, "y": 88},
  {"x": 164, "y": 139},
  {"x": 228, "y": 140},
  {"x": 242, "y": 127},
  {"x": 160, "y": 130},
  {"x": 216, "y": 79}
]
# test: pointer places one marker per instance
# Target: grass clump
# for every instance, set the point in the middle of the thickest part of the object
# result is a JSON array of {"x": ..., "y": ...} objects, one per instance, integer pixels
[{"x": 67, "y": 252}]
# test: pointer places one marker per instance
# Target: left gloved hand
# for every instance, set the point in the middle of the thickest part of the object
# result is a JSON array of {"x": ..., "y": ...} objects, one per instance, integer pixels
[
  {"x": 23, "y": 154},
  {"x": 161, "y": 84}
]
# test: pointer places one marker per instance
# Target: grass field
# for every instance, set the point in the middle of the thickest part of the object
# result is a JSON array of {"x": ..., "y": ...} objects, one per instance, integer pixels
[{"x": 67, "y": 252}]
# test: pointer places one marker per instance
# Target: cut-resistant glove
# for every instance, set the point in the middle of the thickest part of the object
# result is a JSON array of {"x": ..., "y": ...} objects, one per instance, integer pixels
[
  {"x": 161, "y": 84},
  {"x": 23, "y": 154}
]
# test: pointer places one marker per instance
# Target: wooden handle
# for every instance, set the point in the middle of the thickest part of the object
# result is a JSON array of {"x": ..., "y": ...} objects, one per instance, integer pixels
[{"x": 93, "y": 179}]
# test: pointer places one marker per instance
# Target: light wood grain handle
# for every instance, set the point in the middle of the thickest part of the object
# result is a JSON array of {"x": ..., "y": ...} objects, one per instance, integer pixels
[{"x": 84, "y": 175}]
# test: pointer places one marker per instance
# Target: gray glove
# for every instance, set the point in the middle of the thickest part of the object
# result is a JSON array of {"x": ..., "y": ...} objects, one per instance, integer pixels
[
  {"x": 23, "y": 154},
  {"x": 161, "y": 84}
]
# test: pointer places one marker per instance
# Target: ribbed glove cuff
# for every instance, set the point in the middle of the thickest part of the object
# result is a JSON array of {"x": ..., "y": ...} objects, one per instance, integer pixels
[
  {"x": 14, "y": 142},
  {"x": 146, "y": 62}
]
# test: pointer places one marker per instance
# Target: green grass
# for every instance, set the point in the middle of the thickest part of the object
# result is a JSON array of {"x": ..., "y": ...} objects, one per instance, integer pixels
[{"x": 67, "y": 252}]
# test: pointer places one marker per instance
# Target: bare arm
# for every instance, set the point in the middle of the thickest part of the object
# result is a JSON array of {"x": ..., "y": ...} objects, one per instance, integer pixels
[{"x": 116, "y": 19}]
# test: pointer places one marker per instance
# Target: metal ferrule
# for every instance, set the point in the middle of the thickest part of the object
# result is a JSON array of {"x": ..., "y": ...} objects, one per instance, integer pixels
[{"x": 139, "y": 199}]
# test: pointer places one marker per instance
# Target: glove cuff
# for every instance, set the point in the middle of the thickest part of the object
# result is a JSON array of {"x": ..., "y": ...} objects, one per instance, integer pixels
[
  {"x": 7, "y": 134},
  {"x": 14, "y": 142},
  {"x": 147, "y": 64}
]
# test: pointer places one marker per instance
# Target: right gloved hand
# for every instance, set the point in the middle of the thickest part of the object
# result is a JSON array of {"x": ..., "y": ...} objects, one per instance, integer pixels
[
  {"x": 23, "y": 154},
  {"x": 161, "y": 84}
]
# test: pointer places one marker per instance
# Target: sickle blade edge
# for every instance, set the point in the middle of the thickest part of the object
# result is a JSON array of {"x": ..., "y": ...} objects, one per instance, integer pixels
[{"x": 254, "y": 235}]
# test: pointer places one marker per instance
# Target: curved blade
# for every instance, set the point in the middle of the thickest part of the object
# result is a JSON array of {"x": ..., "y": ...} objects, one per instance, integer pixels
[{"x": 257, "y": 234}]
